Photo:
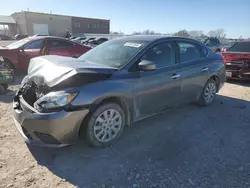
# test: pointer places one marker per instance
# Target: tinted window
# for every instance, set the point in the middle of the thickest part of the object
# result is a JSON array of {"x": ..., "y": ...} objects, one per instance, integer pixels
[
  {"x": 36, "y": 45},
  {"x": 189, "y": 52},
  {"x": 212, "y": 42},
  {"x": 60, "y": 44},
  {"x": 161, "y": 54},
  {"x": 240, "y": 47}
]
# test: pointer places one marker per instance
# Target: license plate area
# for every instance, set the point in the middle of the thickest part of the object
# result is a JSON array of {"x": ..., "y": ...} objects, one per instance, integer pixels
[{"x": 228, "y": 74}]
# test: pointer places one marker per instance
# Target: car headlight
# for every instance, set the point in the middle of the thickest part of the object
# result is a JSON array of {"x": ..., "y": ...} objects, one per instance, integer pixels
[{"x": 54, "y": 100}]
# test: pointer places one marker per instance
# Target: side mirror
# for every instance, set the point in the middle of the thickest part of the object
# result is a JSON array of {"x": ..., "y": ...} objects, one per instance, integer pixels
[
  {"x": 145, "y": 65},
  {"x": 21, "y": 49}
]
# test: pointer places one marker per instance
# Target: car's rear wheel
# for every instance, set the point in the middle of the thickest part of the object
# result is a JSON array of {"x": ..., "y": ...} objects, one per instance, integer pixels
[
  {"x": 209, "y": 92},
  {"x": 105, "y": 124}
]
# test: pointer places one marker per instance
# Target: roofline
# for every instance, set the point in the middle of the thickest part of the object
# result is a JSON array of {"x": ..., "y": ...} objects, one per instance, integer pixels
[{"x": 44, "y": 13}]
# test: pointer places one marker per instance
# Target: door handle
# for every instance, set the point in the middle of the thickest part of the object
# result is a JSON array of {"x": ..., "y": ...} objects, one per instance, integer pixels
[
  {"x": 174, "y": 76},
  {"x": 204, "y": 69}
]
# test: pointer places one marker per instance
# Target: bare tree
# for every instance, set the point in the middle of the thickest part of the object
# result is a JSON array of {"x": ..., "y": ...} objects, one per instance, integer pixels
[
  {"x": 195, "y": 33},
  {"x": 220, "y": 33}
]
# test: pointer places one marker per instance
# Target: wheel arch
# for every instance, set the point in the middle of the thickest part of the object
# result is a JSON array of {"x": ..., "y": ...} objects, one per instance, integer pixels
[
  {"x": 119, "y": 100},
  {"x": 216, "y": 79},
  {"x": 9, "y": 62}
]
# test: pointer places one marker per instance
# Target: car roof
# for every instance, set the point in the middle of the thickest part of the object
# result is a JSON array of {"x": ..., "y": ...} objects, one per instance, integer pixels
[{"x": 151, "y": 38}]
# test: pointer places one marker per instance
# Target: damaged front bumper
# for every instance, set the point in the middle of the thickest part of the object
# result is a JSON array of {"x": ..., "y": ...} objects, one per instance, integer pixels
[{"x": 54, "y": 129}]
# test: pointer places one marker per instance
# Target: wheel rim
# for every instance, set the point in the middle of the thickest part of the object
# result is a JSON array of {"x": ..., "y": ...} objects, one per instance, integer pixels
[
  {"x": 107, "y": 125},
  {"x": 210, "y": 92},
  {"x": 5, "y": 65}
]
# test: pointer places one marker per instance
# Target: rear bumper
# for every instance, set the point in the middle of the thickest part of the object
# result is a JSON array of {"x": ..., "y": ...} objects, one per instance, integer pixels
[
  {"x": 55, "y": 129},
  {"x": 239, "y": 75}
]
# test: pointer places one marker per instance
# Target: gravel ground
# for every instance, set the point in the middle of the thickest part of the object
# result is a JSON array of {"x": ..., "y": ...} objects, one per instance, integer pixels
[{"x": 185, "y": 147}]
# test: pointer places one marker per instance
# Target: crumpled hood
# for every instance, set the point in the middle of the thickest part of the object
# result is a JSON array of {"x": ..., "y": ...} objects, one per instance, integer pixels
[{"x": 51, "y": 70}]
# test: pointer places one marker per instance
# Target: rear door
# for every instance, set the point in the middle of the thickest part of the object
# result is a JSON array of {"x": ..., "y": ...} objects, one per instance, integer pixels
[
  {"x": 194, "y": 69},
  {"x": 61, "y": 47},
  {"x": 30, "y": 50}
]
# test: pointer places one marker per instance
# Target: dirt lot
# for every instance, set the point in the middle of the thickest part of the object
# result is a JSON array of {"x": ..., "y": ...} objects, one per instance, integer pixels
[{"x": 186, "y": 147}]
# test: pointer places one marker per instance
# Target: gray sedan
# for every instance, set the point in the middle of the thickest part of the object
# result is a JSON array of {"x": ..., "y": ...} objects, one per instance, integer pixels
[{"x": 115, "y": 84}]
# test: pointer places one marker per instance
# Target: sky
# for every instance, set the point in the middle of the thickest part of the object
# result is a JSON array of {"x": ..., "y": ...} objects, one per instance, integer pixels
[{"x": 165, "y": 16}]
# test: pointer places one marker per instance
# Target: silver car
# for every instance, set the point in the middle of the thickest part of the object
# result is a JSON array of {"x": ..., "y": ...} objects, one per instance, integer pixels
[{"x": 115, "y": 84}]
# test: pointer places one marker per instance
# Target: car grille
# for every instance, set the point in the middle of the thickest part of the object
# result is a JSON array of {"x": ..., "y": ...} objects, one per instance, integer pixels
[{"x": 234, "y": 65}]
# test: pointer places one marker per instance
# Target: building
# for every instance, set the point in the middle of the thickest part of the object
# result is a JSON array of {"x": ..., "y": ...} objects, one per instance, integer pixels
[
  {"x": 7, "y": 26},
  {"x": 52, "y": 24}
]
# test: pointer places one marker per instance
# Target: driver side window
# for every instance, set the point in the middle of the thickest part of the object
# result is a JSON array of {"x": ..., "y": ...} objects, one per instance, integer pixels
[
  {"x": 34, "y": 45},
  {"x": 162, "y": 54}
]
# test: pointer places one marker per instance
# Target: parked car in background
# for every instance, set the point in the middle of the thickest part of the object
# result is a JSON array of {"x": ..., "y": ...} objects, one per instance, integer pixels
[
  {"x": 78, "y": 39},
  {"x": 4, "y": 37},
  {"x": 20, "y": 36},
  {"x": 39, "y": 35},
  {"x": 87, "y": 40},
  {"x": 71, "y": 38},
  {"x": 115, "y": 84},
  {"x": 237, "y": 61},
  {"x": 213, "y": 43},
  {"x": 18, "y": 54},
  {"x": 96, "y": 42},
  {"x": 225, "y": 47}
]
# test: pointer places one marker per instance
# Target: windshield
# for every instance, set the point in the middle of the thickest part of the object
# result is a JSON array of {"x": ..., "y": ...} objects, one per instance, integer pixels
[
  {"x": 114, "y": 53},
  {"x": 18, "y": 44},
  {"x": 240, "y": 47}
]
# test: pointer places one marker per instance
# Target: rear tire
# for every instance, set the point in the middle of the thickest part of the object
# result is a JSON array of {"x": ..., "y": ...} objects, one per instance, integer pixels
[
  {"x": 105, "y": 125},
  {"x": 208, "y": 94}
]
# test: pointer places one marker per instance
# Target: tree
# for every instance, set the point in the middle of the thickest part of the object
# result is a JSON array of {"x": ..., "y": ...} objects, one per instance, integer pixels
[
  {"x": 219, "y": 33},
  {"x": 195, "y": 33},
  {"x": 182, "y": 33}
]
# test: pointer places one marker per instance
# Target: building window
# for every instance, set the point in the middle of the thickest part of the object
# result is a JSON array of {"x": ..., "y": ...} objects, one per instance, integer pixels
[
  {"x": 106, "y": 26},
  {"x": 89, "y": 26},
  {"x": 97, "y": 26},
  {"x": 94, "y": 26},
  {"x": 78, "y": 25}
]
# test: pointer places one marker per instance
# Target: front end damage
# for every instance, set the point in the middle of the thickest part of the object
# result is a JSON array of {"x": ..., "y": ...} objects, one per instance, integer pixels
[{"x": 41, "y": 108}]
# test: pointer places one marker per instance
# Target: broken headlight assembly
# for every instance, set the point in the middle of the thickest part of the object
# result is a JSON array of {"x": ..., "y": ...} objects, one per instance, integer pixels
[{"x": 54, "y": 100}]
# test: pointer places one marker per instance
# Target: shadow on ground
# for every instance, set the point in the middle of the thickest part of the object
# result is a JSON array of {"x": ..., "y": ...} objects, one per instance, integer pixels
[
  {"x": 185, "y": 147},
  {"x": 240, "y": 83}
]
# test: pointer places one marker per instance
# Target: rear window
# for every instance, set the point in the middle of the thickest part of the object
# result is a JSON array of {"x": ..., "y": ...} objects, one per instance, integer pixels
[{"x": 240, "y": 47}]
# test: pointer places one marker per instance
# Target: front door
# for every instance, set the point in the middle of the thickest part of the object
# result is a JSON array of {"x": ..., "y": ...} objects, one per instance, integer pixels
[
  {"x": 29, "y": 51},
  {"x": 156, "y": 90}
]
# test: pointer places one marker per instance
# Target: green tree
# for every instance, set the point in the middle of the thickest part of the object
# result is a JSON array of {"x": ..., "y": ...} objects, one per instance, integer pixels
[{"x": 182, "y": 33}]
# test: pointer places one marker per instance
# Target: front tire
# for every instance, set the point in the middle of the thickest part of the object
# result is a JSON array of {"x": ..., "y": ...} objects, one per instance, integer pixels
[
  {"x": 105, "y": 125},
  {"x": 208, "y": 94}
]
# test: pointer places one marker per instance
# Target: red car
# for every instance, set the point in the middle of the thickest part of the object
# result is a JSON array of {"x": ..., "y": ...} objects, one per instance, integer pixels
[
  {"x": 18, "y": 54},
  {"x": 237, "y": 61}
]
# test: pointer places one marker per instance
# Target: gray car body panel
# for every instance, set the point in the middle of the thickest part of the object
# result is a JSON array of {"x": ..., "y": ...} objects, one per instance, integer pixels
[{"x": 142, "y": 93}]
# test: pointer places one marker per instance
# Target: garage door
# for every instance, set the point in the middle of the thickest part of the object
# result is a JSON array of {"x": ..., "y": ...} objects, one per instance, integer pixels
[{"x": 41, "y": 29}]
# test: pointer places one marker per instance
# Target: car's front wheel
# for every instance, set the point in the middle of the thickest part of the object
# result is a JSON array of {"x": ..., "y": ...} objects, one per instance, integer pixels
[
  {"x": 209, "y": 92},
  {"x": 105, "y": 124}
]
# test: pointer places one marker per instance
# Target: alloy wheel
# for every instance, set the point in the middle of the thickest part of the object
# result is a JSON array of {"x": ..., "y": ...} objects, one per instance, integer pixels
[
  {"x": 210, "y": 92},
  {"x": 107, "y": 125}
]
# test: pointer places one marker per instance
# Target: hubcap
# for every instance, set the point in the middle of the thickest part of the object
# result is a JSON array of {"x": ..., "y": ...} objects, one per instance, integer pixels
[
  {"x": 107, "y": 125},
  {"x": 210, "y": 92}
]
